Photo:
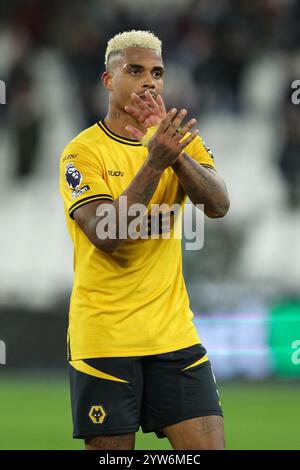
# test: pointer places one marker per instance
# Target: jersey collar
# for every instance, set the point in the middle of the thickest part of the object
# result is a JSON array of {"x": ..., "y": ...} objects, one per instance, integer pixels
[{"x": 116, "y": 137}]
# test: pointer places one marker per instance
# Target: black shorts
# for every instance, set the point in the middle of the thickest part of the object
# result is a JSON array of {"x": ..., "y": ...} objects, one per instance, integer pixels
[{"x": 117, "y": 395}]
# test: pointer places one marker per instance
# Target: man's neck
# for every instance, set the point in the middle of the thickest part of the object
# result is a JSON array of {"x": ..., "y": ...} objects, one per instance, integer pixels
[{"x": 116, "y": 121}]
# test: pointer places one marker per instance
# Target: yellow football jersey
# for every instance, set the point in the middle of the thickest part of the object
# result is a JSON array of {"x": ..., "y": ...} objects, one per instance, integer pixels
[{"x": 131, "y": 302}]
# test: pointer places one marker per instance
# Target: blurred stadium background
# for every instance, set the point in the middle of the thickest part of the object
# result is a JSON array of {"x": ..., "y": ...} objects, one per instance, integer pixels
[{"x": 231, "y": 63}]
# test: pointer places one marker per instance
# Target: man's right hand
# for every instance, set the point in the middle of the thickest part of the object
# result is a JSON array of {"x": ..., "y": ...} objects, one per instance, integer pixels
[{"x": 168, "y": 142}]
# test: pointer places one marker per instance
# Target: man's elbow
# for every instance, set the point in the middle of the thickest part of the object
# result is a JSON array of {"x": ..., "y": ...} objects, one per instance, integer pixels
[
  {"x": 220, "y": 210},
  {"x": 218, "y": 214},
  {"x": 106, "y": 249},
  {"x": 106, "y": 246}
]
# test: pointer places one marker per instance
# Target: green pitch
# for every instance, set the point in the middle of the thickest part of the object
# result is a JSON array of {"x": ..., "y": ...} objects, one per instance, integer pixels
[{"x": 35, "y": 414}]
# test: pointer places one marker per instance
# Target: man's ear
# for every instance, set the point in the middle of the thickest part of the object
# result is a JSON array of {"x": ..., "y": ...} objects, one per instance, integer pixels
[{"x": 106, "y": 79}]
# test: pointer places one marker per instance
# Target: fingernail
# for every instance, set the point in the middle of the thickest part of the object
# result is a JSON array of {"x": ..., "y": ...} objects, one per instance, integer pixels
[{"x": 183, "y": 111}]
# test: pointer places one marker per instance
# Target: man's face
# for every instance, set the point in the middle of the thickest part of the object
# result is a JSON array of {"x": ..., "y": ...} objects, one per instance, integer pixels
[{"x": 136, "y": 71}]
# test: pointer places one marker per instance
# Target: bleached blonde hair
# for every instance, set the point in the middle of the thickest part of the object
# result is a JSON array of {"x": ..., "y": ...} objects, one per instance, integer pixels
[{"x": 143, "y": 39}]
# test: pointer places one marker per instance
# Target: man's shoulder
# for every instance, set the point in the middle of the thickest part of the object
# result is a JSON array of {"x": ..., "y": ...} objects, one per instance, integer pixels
[
  {"x": 87, "y": 143},
  {"x": 89, "y": 137}
]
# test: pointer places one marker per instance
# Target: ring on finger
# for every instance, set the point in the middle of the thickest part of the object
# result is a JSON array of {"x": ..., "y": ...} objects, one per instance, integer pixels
[{"x": 176, "y": 130}]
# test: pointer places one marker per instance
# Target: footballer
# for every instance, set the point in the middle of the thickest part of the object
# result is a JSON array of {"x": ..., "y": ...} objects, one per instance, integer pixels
[{"x": 135, "y": 357}]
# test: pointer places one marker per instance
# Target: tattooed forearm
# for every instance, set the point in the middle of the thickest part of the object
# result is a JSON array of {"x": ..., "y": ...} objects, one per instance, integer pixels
[
  {"x": 203, "y": 186},
  {"x": 140, "y": 191},
  {"x": 143, "y": 186}
]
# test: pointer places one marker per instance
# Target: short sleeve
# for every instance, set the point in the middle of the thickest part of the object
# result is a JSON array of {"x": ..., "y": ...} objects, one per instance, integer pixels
[
  {"x": 81, "y": 177},
  {"x": 199, "y": 151}
]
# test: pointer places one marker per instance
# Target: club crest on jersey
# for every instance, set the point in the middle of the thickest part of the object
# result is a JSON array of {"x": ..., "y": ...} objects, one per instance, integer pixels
[{"x": 73, "y": 176}]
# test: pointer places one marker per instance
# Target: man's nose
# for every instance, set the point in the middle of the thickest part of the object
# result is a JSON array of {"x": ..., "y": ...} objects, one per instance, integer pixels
[{"x": 149, "y": 82}]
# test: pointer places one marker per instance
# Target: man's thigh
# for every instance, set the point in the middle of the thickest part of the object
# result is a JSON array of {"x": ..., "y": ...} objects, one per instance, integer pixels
[
  {"x": 106, "y": 398},
  {"x": 121, "y": 442},
  {"x": 180, "y": 387},
  {"x": 203, "y": 433}
]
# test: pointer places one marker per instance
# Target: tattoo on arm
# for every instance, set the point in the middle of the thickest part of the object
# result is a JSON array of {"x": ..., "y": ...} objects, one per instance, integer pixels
[
  {"x": 203, "y": 186},
  {"x": 140, "y": 191}
]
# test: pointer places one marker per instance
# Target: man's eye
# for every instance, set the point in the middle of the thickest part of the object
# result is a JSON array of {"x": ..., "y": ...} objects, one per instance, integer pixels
[
  {"x": 157, "y": 74},
  {"x": 134, "y": 72}
]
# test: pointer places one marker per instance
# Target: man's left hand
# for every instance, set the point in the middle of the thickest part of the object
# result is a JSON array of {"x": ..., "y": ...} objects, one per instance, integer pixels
[{"x": 149, "y": 112}]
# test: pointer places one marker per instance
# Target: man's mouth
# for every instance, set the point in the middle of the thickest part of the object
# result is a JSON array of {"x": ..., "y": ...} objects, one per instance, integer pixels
[{"x": 145, "y": 98}]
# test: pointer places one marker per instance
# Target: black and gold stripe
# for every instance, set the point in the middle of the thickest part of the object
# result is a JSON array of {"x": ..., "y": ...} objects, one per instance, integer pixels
[
  {"x": 116, "y": 137},
  {"x": 85, "y": 368},
  {"x": 86, "y": 200}
]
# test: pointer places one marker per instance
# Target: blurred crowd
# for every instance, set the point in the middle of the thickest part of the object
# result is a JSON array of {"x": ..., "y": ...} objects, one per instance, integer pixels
[
  {"x": 230, "y": 62},
  {"x": 208, "y": 42}
]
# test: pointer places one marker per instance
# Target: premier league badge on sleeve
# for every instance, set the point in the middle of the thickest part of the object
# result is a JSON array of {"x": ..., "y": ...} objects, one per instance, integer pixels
[
  {"x": 74, "y": 179},
  {"x": 73, "y": 176}
]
